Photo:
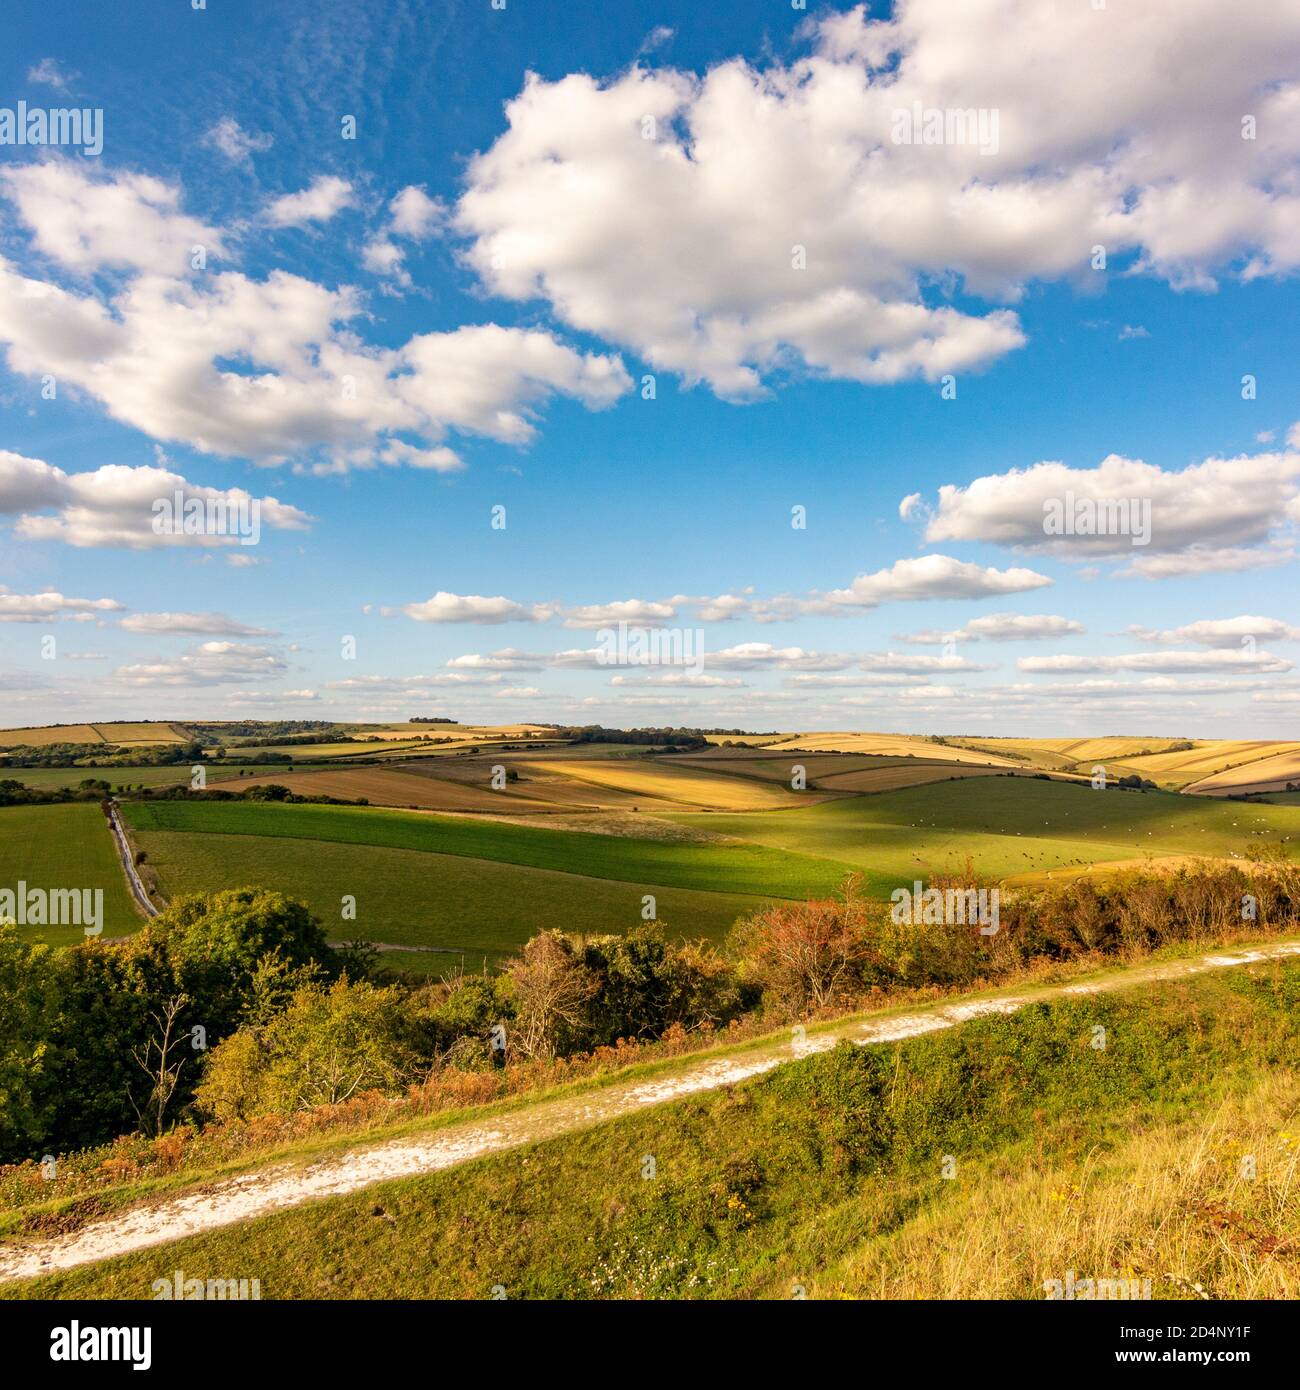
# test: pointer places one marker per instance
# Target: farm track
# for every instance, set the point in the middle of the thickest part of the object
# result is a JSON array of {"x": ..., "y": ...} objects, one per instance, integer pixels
[
  {"x": 283, "y": 1186},
  {"x": 133, "y": 880}
]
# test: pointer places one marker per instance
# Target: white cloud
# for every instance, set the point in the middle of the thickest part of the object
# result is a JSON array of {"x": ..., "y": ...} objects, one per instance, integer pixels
[
  {"x": 1222, "y": 632},
  {"x": 208, "y": 664},
  {"x": 507, "y": 659},
  {"x": 747, "y": 655},
  {"x": 325, "y": 197},
  {"x": 635, "y": 611},
  {"x": 913, "y": 664},
  {"x": 999, "y": 627},
  {"x": 444, "y": 607},
  {"x": 1199, "y": 510},
  {"x": 49, "y": 73},
  {"x": 415, "y": 684},
  {"x": 1170, "y": 662},
  {"x": 113, "y": 505},
  {"x": 86, "y": 221},
  {"x": 415, "y": 214},
  {"x": 50, "y": 605},
  {"x": 237, "y": 144},
  {"x": 1203, "y": 559},
  {"x": 692, "y": 679},
  {"x": 270, "y": 370},
  {"x": 660, "y": 209},
  {"x": 192, "y": 625},
  {"x": 930, "y": 577}
]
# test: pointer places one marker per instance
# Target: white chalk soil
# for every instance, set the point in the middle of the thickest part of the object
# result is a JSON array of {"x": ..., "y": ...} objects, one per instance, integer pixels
[{"x": 281, "y": 1186}]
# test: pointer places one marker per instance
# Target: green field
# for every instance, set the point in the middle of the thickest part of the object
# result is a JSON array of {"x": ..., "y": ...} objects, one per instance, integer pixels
[
  {"x": 67, "y": 846},
  {"x": 724, "y": 867},
  {"x": 414, "y": 898}
]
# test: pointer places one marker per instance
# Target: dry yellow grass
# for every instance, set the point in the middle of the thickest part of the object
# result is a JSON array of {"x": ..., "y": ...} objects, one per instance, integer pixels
[
  {"x": 779, "y": 767},
  {"x": 1272, "y": 772},
  {"x": 125, "y": 733},
  {"x": 388, "y": 787},
  {"x": 1173, "y": 1205},
  {"x": 891, "y": 745},
  {"x": 684, "y": 786}
]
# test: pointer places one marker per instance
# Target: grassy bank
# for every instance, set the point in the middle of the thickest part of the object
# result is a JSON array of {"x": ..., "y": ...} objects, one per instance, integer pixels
[{"x": 1016, "y": 1136}]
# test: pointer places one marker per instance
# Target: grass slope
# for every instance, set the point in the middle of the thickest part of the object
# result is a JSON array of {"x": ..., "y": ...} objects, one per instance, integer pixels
[
  {"x": 413, "y": 898},
  {"x": 831, "y": 1176},
  {"x": 720, "y": 868}
]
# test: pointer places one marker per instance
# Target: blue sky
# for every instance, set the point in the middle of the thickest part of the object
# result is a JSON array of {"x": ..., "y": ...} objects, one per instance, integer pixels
[{"x": 495, "y": 268}]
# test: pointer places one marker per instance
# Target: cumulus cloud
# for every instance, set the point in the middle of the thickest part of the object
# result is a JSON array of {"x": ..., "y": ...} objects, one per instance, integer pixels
[
  {"x": 51, "y": 605},
  {"x": 750, "y": 655},
  {"x": 506, "y": 659},
  {"x": 667, "y": 211},
  {"x": 1205, "y": 515},
  {"x": 697, "y": 680},
  {"x": 1222, "y": 632},
  {"x": 999, "y": 627},
  {"x": 413, "y": 216},
  {"x": 114, "y": 505},
  {"x": 325, "y": 197},
  {"x": 270, "y": 370},
  {"x": 413, "y": 685},
  {"x": 87, "y": 221},
  {"x": 208, "y": 664},
  {"x": 927, "y": 577},
  {"x": 444, "y": 607},
  {"x": 635, "y": 611}
]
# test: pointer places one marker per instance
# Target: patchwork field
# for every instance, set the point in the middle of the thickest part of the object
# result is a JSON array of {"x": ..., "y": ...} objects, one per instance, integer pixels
[
  {"x": 1270, "y": 773},
  {"x": 68, "y": 846},
  {"x": 1178, "y": 765}
]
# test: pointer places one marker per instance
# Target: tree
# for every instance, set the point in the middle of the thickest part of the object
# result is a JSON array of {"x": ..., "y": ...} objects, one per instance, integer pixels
[
  {"x": 805, "y": 956},
  {"x": 156, "y": 1061},
  {"x": 550, "y": 988},
  {"x": 329, "y": 1044}
]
